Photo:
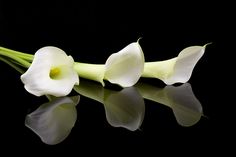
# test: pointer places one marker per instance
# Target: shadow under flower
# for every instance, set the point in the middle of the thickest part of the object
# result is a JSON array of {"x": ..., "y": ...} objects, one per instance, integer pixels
[{"x": 53, "y": 121}]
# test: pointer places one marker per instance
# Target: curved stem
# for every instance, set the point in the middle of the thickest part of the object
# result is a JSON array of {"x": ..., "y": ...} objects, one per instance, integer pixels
[
  {"x": 23, "y": 62},
  {"x": 17, "y": 63},
  {"x": 28, "y": 57},
  {"x": 12, "y": 65},
  {"x": 159, "y": 69},
  {"x": 90, "y": 71}
]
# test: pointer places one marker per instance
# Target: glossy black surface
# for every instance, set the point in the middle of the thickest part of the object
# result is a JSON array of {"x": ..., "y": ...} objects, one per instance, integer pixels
[{"x": 90, "y": 31}]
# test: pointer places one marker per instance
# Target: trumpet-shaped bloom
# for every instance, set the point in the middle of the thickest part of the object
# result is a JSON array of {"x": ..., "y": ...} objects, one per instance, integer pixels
[
  {"x": 51, "y": 72},
  {"x": 123, "y": 68},
  {"x": 178, "y": 69},
  {"x": 126, "y": 66},
  {"x": 53, "y": 121}
]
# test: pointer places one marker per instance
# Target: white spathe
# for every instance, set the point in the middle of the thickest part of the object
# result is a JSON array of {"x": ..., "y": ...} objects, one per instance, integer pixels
[
  {"x": 51, "y": 72},
  {"x": 123, "y": 68},
  {"x": 126, "y": 66},
  {"x": 175, "y": 70}
]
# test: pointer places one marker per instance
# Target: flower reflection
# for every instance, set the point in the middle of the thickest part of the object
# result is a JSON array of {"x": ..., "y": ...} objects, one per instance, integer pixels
[
  {"x": 187, "y": 109},
  {"x": 123, "y": 108},
  {"x": 53, "y": 121}
]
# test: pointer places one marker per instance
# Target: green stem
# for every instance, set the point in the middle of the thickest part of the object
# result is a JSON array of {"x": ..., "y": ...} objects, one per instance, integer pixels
[
  {"x": 28, "y": 57},
  {"x": 12, "y": 65},
  {"x": 160, "y": 69},
  {"x": 23, "y": 62},
  {"x": 90, "y": 71},
  {"x": 17, "y": 63}
]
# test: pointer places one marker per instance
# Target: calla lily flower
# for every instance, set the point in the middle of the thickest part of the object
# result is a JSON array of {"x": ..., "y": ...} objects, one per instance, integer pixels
[
  {"x": 175, "y": 70},
  {"x": 185, "y": 106},
  {"x": 53, "y": 121},
  {"x": 123, "y": 108},
  {"x": 123, "y": 68},
  {"x": 51, "y": 72}
]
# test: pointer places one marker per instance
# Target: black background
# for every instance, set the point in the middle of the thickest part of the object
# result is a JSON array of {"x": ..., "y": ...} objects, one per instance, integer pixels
[{"x": 90, "y": 31}]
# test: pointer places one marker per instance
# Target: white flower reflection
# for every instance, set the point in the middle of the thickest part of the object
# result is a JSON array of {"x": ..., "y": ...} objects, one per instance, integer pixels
[
  {"x": 53, "y": 121},
  {"x": 123, "y": 108},
  {"x": 186, "y": 107}
]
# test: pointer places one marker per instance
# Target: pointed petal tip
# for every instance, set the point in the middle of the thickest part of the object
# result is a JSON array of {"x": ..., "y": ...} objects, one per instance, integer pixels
[
  {"x": 139, "y": 39},
  {"x": 185, "y": 63},
  {"x": 126, "y": 66},
  {"x": 210, "y": 43}
]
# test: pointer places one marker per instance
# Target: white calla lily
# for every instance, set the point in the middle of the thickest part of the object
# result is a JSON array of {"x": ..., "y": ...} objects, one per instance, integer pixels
[
  {"x": 53, "y": 121},
  {"x": 51, "y": 72},
  {"x": 126, "y": 66},
  {"x": 123, "y": 68},
  {"x": 175, "y": 70}
]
